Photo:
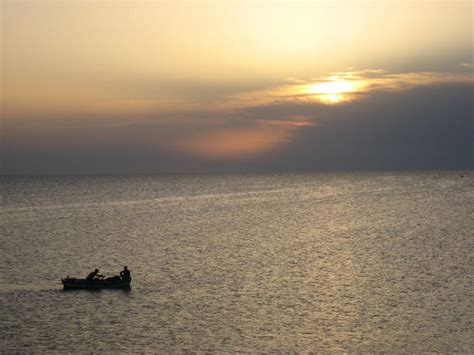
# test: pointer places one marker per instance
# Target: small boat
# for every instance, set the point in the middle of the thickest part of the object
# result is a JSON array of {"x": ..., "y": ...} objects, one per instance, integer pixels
[{"x": 111, "y": 282}]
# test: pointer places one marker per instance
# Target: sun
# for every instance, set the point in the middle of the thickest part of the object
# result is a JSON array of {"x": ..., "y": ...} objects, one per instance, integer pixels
[
  {"x": 331, "y": 88},
  {"x": 331, "y": 92}
]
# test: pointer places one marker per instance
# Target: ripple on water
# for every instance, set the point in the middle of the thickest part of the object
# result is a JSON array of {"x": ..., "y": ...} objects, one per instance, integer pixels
[{"x": 308, "y": 262}]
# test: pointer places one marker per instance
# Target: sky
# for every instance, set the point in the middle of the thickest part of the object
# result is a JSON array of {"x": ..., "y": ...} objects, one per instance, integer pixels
[{"x": 144, "y": 87}]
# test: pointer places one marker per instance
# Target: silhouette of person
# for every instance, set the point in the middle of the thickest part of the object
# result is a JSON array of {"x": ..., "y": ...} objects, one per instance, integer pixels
[
  {"x": 94, "y": 275},
  {"x": 125, "y": 273}
]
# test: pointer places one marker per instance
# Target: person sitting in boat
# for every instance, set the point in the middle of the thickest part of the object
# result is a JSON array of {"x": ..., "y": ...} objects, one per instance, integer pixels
[
  {"x": 125, "y": 274},
  {"x": 94, "y": 275}
]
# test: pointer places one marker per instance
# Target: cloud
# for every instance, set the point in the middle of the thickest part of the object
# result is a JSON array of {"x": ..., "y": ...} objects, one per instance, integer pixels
[
  {"x": 468, "y": 66},
  {"x": 428, "y": 127},
  {"x": 340, "y": 87},
  {"x": 396, "y": 121}
]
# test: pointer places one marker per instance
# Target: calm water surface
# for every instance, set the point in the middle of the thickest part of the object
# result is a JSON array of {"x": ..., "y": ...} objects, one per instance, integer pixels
[{"x": 305, "y": 262}]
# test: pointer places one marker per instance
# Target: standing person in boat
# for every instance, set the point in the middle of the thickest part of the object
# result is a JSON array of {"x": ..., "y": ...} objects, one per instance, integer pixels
[
  {"x": 125, "y": 274},
  {"x": 94, "y": 275}
]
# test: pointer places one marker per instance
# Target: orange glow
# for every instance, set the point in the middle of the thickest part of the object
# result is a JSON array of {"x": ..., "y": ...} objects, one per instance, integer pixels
[{"x": 237, "y": 143}]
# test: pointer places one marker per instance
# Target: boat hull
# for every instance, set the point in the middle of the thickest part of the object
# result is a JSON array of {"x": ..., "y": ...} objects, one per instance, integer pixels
[{"x": 71, "y": 283}]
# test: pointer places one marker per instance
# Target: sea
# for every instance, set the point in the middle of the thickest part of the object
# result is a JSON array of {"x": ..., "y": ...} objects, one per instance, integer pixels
[{"x": 308, "y": 262}]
